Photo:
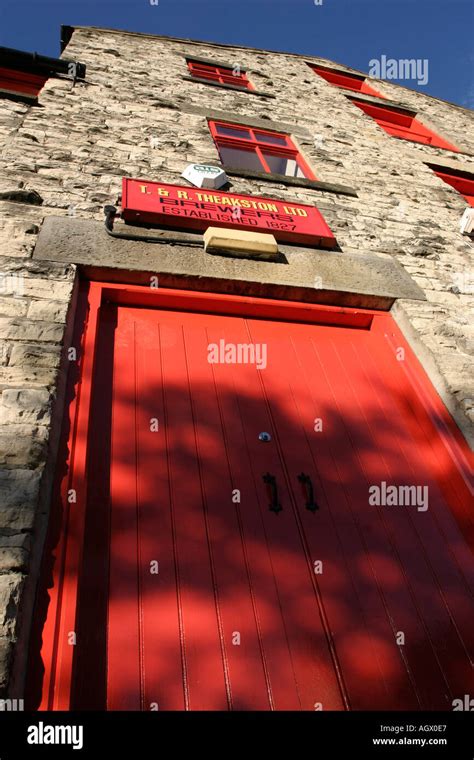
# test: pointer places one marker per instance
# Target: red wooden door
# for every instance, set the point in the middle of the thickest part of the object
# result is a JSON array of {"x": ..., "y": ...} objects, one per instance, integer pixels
[{"x": 194, "y": 594}]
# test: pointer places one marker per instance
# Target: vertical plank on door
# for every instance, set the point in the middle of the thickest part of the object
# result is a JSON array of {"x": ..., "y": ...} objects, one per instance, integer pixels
[{"x": 124, "y": 676}]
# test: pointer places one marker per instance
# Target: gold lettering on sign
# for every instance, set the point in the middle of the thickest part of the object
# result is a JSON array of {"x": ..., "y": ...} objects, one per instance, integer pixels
[
  {"x": 268, "y": 207},
  {"x": 295, "y": 211},
  {"x": 226, "y": 200}
]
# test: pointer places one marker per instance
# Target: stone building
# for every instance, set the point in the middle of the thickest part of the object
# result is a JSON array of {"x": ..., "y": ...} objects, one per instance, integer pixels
[{"x": 391, "y": 171}]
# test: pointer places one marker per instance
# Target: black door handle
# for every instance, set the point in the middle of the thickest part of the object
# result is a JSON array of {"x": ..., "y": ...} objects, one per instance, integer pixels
[
  {"x": 270, "y": 480},
  {"x": 305, "y": 480}
]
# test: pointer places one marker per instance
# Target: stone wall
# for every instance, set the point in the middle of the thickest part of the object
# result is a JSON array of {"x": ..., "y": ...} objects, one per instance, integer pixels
[{"x": 138, "y": 115}]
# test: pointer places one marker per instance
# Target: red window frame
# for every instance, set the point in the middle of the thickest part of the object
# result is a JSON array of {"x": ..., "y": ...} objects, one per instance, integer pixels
[
  {"x": 21, "y": 82},
  {"x": 399, "y": 123},
  {"x": 345, "y": 80},
  {"x": 258, "y": 145},
  {"x": 460, "y": 181},
  {"x": 220, "y": 74}
]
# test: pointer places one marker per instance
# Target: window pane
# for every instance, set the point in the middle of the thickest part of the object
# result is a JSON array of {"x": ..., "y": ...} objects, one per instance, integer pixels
[
  {"x": 205, "y": 75},
  {"x": 236, "y": 81},
  {"x": 240, "y": 159},
  {"x": 274, "y": 139},
  {"x": 232, "y": 132},
  {"x": 202, "y": 67},
  {"x": 283, "y": 165}
]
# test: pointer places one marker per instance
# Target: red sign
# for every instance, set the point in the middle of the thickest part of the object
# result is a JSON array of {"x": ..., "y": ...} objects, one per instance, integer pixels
[{"x": 198, "y": 208}]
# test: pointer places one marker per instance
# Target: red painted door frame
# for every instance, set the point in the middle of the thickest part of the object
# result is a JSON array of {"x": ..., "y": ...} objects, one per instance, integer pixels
[{"x": 443, "y": 442}]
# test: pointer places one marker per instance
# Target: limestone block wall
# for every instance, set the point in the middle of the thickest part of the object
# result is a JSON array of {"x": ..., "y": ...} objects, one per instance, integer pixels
[{"x": 137, "y": 115}]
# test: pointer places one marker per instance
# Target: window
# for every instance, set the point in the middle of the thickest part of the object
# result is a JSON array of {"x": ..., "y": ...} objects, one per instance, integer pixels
[
  {"x": 400, "y": 123},
  {"x": 258, "y": 150},
  {"x": 221, "y": 74},
  {"x": 345, "y": 80},
  {"x": 461, "y": 181}
]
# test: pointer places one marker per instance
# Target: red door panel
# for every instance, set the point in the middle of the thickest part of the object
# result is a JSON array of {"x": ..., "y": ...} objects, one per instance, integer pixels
[
  {"x": 234, "y": 604},
  {"x": 355, "y": 614},
  {"x": 394, "y": 555},
  {"x": 217, "y": 598},
  {"x": 305, "y": 644},
  {"x": 391, "y": 558},
  {"x": 186, "y": 590}
]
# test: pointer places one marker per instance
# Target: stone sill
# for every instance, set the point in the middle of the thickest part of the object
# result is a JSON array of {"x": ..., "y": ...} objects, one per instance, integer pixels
[
  {"x": 338, "y": 69},
  {"x": 427, "y": 145},
  {"x": 363, "y": 281},
  {"x": 251, "y": 121},
  {"x": 227, "y": 86},
  {"x": 209, "y": 62},
  {"x": 19, "y": 97},
  {"x": 373, "y": 100},
  {"x": 282, "y": 179},
  {"x": 440, "y": 162}
]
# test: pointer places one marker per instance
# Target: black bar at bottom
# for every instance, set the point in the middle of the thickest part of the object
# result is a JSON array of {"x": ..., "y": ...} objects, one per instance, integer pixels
[{"x": 146, "y": 734}]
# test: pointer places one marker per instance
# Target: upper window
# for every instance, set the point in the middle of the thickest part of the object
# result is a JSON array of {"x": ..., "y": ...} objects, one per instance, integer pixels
[
  {"x": 461, "y": 181},
  {"x": 258, "y": 150},
  {"x": 345, "y": 80},
  {"x": 399, "y": 123},
  {"x": 221, "y": 74}
]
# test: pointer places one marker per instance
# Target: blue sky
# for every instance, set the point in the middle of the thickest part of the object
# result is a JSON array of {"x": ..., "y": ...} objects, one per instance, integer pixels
[{"x": 348, "y": 31}]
